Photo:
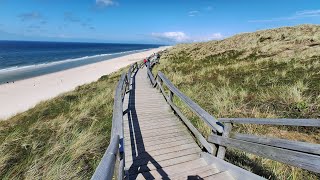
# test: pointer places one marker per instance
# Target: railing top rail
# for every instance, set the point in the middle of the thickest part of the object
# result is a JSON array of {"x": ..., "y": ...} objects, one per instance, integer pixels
[
  {"x": 106, "y": 166},
  {"x": 209, "y": 119},
  {"x": 117, "y": 108},
  {"x": 105, "y": 169},
  {"x": 273, "y": 121}
]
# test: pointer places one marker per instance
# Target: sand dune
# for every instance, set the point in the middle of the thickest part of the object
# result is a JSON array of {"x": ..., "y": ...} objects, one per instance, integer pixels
[{"x": 25, "y": 94}]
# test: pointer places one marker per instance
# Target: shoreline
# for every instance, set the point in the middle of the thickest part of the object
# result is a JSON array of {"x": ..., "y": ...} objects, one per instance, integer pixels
[
  {"x": 25, "y": 94},
  {"x": 13, "y": 74}
]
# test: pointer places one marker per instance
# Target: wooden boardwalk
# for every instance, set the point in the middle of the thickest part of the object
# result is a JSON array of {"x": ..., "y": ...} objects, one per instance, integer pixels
[
  {"x": 152, "y": 139},
  {"x": 157, "y": 144}
]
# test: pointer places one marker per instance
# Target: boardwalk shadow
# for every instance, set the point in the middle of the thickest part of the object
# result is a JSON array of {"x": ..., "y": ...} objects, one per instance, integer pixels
[{"x": 140, "y": 157}]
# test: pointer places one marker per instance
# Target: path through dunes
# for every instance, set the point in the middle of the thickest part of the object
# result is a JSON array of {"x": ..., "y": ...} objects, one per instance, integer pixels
[{"x": 157, "y": 143}]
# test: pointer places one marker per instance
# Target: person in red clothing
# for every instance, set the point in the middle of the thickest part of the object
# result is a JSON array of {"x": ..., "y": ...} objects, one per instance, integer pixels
[{"x": 145, "y": 62}]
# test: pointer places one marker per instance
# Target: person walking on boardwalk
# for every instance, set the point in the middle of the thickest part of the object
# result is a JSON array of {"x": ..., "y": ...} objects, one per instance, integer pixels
[{"x": 145, "y": 62}]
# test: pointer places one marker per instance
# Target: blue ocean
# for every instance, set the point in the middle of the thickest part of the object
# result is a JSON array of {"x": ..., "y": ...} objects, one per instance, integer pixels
[{"x": 25, "y": 59}]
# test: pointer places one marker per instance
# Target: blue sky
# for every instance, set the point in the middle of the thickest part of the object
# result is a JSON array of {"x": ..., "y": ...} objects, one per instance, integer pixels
[{"x": 148, "y": 21}]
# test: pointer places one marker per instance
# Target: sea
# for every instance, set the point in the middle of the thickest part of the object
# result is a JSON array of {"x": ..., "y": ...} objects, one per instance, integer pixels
[{"x": 25, "y": 59}]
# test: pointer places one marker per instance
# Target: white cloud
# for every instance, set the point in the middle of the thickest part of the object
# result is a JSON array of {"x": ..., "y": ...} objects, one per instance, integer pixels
[
  {"x": 181, "y": 37},
  {"x": 297, "y": 15},
  {"x": 216, "y": 36},
  {"x": 193, "y": 13},
  {"x": 308, "y": 13},
  {"x": 105, "y": 3},
  {"x": 176, "y": 37}
]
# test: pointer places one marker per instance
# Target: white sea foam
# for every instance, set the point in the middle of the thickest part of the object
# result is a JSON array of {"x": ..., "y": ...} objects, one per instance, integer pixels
[{"x": 16, "y": 68}]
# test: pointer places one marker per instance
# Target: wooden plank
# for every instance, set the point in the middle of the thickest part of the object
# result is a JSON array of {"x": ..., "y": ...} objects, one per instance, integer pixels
[
  {"x": 145, "y": 125},
  {"x": 235, "y": 171},
  {"x": 155, "y": 138},
  {"x": 162, "y": 148},
  {"x": 159, "y": 141},
  {"x": 166, "y": 156},
  {"x": 145, "y": 132},
  {"x": 222, "y": 150},
  {"x": 156, "y": 133},
  {"x": 142, "y": 148},
  {"x": 151, "y": 119},
  {"x": 154, "y": 126},
  {"x": 154, "y": 130},
  {"x": 156, "y": 142},
  {"x": 273, "y": 121},
  {"x": 157, "y": 159},
  {"x": 210, "y": 148},
  {"x": 141, "y": 116},
  {"x": 162, "y": 151},
  {"x": 199, "y": 172},
  {"x": 281, "y": 143},
  {"x": 167, "y": 171},
  {"x": 157, "y": 165},
  {"x": 208, "y": 119},
  {"x": 219, "y": 176},
  {"x": 294, "y": 158}
]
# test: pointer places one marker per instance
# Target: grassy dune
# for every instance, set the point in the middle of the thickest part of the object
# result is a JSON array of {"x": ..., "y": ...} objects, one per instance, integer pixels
[
  {"x": 272, "y": 73},
  {"x": 63, "y": 138}
]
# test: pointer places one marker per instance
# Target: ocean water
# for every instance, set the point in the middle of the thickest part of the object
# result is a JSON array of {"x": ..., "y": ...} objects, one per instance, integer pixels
[{"x": 25, "y": 59}]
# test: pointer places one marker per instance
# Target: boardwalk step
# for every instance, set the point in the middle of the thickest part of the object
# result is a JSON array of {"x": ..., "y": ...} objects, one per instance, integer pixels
[
  {"x": 171, "y": 170},
  {"x": 142, "y": 148},
  {"x": 159, "y": 141},
  {"x": 152, "y": 126},
  {"x": 195, "y": 173},
  {"x": 163, "y": 160},
  {"x": 129, "y": 152},
  {"x": 161, "y": 130},
  {"x": 154, "y": 165},
  {"x": 156, "y": 133},
  {"x": 155, "y": 138},
  {"x": 225, "y": 175},
  {"x": 162, "y": 157}
]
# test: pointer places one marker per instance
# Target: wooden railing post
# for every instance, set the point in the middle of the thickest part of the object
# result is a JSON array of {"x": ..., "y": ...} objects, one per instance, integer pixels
[
  {"x": 171, "y": 96},
  {"x": 222, "y": 150},
  {"x": 160, "y": 84}
]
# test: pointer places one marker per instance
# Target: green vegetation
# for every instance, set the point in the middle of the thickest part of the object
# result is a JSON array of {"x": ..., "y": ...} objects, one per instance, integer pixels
[
  {"x": 272, "y": 73},
  {"x": 62, "y": 138}
]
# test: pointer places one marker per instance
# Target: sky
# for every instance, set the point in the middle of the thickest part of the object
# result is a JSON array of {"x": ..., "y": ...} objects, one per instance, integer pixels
[{"x": 148, "y": 21}]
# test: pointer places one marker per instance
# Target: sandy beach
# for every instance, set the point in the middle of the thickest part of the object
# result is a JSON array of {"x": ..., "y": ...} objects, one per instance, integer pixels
[{"x": 25, "y": 94}]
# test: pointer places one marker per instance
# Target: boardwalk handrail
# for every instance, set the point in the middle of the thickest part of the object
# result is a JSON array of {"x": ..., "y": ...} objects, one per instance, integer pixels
[
  {"x": 274, "y": 121},
  {"x": 113, "y": 159},
  {"x": 300, "y": 154},
  {"x": 211, "y": 121}
]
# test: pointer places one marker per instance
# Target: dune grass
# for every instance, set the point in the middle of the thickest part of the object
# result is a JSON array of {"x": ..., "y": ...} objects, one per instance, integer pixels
[
  {"x": 273, "y": 73},
  {"x": 62, "y": 138},
  {"x": 245, "y": 80}
]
